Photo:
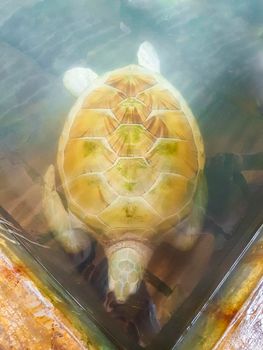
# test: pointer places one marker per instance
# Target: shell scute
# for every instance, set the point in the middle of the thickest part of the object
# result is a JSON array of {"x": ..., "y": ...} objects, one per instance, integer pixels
[
  {"x": 131, "y": 140},
  {"x": 131, "y": 177},
  {"x": 174, "y": 156},
  {"x": 169, "y": 193},
  {"x": 103, "y": 97},
  {"x": 130, "y": 213},
  {"x": 130, "y": 80},
  {"x": 169, "y": 124},
  {"x": 93, "y": 123},
  {"x": 87, "y": 155},
  {"x": 159, "y": 97},
  {"x": 131, "y": 111},
  {"x": 92, "y": 193}
]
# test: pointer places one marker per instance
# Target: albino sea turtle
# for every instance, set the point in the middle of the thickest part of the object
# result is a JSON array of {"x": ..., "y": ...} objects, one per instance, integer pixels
[{"x": 130, "y": 161}]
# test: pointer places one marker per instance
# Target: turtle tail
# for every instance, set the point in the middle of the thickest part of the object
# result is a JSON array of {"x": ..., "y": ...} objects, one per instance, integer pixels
[{"x": 127, "y": 263}]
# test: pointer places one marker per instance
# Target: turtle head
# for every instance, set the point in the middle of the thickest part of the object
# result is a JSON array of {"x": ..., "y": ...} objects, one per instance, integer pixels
[{"x": 127, "y": 261}]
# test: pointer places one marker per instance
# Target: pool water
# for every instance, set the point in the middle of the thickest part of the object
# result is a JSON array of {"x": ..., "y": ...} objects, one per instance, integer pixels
[{"x": 213, "y": 54}]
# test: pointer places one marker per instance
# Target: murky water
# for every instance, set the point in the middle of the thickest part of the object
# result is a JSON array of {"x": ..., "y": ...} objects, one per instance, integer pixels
[{"x": 213, "y": 53}]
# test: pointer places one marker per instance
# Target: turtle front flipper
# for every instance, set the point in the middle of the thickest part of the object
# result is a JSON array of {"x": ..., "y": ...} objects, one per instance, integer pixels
[
  {"x": 77, "y": 80},
  {"x": 59, "y": 222},
  {"x": 127, "y": 263},
  {"x": 148, "y": 57}
]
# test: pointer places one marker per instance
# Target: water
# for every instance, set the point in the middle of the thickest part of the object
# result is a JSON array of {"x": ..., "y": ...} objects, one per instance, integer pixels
[{"x": 213, "y": 53}]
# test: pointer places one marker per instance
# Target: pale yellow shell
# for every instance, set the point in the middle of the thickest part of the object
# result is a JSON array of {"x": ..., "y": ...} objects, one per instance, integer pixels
[{"x": 130, "y": 155}]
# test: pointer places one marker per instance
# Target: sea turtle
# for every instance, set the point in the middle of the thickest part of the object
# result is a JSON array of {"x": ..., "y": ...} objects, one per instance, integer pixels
[{"x": 130, "y": 161}]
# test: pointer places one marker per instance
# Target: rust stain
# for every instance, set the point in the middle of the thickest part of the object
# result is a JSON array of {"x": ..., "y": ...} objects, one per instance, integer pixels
[
  {"x": 28, "y": 320},
  {"x": 246, "y": 330},
  {"x": 234, "y": 319}
]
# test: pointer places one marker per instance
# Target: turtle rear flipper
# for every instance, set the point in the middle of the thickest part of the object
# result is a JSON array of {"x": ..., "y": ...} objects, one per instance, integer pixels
[
  {"x": 188, "y": 230},
  {"x": 58, "y": 218}
]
